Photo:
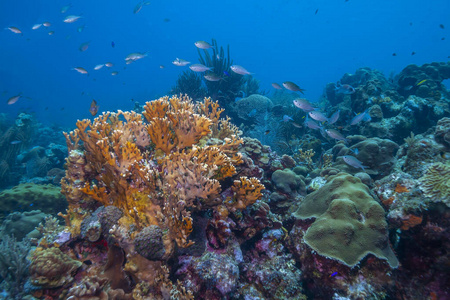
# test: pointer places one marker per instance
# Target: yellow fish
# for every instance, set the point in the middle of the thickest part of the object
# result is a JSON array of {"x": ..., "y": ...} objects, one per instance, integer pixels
[{"x": 421, "y": 82}]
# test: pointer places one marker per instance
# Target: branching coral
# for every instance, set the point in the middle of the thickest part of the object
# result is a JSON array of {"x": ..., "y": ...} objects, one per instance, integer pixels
[
  {"x": 156, "y": 167},
  {"x": 305, "y": 157}
]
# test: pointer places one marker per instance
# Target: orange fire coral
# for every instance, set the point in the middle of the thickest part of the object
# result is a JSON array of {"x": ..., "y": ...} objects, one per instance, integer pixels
[{"x": 154, "y": 166}]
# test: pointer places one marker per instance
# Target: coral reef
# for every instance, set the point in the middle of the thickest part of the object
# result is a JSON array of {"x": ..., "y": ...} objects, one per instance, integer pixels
[
  {"x": 30, "y": 196},
  {"x": 349, "y": 223},
  {"x": 375, "y": 153},
  {"x": 136, "y": 183},
  {"x": 51, "y": 268},
  {"x": 14, "y": 266},
  {"x": 435, "y": 183}
]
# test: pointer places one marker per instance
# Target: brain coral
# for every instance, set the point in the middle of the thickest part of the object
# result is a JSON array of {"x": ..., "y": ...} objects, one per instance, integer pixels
[
  {"x": 436, "y": 183},
  {"x": 349, "y": 223}
]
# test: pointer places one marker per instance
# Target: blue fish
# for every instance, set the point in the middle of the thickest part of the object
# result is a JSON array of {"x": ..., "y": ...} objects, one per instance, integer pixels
[
  {"x": 226, "y": 73},
  {"x": 333, "y": 274},
  {"x": 113, "y": 44}
]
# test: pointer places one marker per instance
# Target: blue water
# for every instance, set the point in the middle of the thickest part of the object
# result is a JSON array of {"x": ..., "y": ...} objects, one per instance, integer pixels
[{"x": 276, "y": 40}]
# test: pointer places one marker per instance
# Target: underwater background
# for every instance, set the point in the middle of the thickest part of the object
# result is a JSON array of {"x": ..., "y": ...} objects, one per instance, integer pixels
[
  {"x": 276, "y": 40},
  {"x": 224, "y": 150}
]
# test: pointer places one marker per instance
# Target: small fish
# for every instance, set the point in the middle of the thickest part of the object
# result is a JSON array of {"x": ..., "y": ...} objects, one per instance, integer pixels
[
  {"x": 293, "y": 87},
  {"x": 333, "y": 274},
  {"x": 287, "y": 118},
  {"x": 71, "y": 19},
  {"x": 65, "y": 8},
  {"x": 303, "y": 104},
  {"x": 421, "y": 82},
  {"x": 311, "y": 124},
  {"x": 317, "y": 10},
  {"x": 36, "y": 26},
  {"x": 296, "y": 125},
  {"x": 139, "y": 6},
  {"x": 239, "y": 70},
  {"x": 318, "y": 116},
  {"x": 166, "y": 20},
  {"x": 109, "y": 64},
  {"x": 94, "y": 108},
  {"x": 84, "y": 46},
  {"x": 443, "y": 38},
  {"x": 114, "y": 73},
  {"x": 134, "y": 57},
  {"x": 441, "y": 26},
  {"x": 199, "y": 68},
  {"x": 413, "y": 53},
  {"x": 394, "y": 54},
  {"x": 47, "y": 24},
  {"x": 354, "y": 162},
  {"x": 80, "y": 70},
  {"x": 15, "y": 142},
  {"x": 81, "y": 28},
  {"x": 202, "y": 45},
  {"x": 212, "y": 77},
  {"x": 355, "y": 150},
  {"x": 276, "y": 86},
  {"x": 51, "y": 32},
  {"x": 98, "y": 67},
  {"x": 14, "y": 29},
  {"x": 365, "y": 116},
  {"x": 161, "y": 66},
  {"x": 113, "y": 44},
  {"x": 334, "y": 134},
  {"x": 180, "y": 62},
  {"x": 267, "y": 132},
  {"x": 334, "y": 117},
  {"x": 345, "y": 89},
  {"x": 218, "y": 57},
  {"x": 226, "y": 73},
  {"x": 13, "y": 99}
]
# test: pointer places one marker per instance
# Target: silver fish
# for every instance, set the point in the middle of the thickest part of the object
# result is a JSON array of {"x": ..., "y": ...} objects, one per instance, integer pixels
[
  {"x": 345, "y": 89},
  {"x": 276, "y": 86},
  {"x": 98, "y": 67},
  {"x": 212, "y": 77},
  {"x": 13, "y": 99},
  {"x": 199, "y": 68},
  {"x": 239, "y": 70},
  {"x": 180, "y": 62},
  {"x": 318, "y": 116},
  {"x": 83, "y": 47},
  {"x": 353, "y": 161},
  {"x": 203, "y": 45},
  {"x": 311, "y": 124},
  {"x": 303, "y": 104},
  {"x": 80, "y": 70},
  {"x": 36, "y": 26},
  {"x": 334, "y": 117},
  {"x": 14, "y": 29},
  {"x": 335, "y": 135},
  {"x": 365, "y": 116},
  {"x": 64, "y": 9},
  {"x": 292, "y": 87},
  {"x": 71, "y": 19}
]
